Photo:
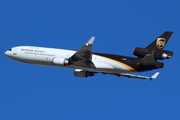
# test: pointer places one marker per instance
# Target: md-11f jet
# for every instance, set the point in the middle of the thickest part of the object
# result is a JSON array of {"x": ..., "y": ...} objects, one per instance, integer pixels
[{"x": 87, "y": 63}]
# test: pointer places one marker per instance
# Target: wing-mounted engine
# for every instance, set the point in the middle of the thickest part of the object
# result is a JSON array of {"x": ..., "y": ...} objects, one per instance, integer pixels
[
  {"x": 81, "y": 58},
  {"x": 157, "y": 53},
  {"x": 83, "y": 73},
  {"x": 61, "y": 61}
]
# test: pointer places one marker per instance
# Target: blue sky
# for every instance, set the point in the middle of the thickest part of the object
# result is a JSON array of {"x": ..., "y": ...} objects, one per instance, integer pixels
[{"x": 39, "y": 92}]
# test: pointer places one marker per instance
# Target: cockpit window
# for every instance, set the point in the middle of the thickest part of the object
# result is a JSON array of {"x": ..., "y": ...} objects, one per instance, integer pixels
[{"x": 10, "y": 49}]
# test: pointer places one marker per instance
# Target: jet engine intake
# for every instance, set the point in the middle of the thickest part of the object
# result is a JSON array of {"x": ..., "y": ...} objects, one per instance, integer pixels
[
  {"x": 83, "y": 73},
  {"x": 158, "y": 54},
  {"x": 61, "y": 61}
]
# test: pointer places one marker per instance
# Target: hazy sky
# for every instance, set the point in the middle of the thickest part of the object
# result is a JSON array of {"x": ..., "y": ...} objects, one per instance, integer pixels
[{"x": 30, "y": 92}]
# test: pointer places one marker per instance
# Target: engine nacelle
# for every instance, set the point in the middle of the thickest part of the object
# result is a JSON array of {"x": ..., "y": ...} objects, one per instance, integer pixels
[
  {"x": 61, "y": 61},
  {"x": 82, "y": 73},
  {"x": 158, "y": 54}
]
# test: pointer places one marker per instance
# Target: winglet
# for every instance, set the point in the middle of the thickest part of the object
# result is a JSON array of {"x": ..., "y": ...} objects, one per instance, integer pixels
[
  {"x": 154, "y": 76},
  {"x": 90, "y": 41}
]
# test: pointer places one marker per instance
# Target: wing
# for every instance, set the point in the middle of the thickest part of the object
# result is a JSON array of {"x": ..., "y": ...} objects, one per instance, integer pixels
[
  {"x": 134, "y": 76},
  {"x": 83, "y": 56}
]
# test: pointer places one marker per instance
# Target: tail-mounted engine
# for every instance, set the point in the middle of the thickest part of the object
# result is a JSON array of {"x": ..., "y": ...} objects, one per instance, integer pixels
[{"x": 159, "y": 54}]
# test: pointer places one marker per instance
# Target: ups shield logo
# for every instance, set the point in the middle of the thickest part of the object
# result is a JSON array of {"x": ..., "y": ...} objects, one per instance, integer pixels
[{"x": 160, "y": 43}]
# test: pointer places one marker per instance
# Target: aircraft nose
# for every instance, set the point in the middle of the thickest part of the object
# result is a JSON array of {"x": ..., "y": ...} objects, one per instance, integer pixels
[{"x": 6, "y": 54}]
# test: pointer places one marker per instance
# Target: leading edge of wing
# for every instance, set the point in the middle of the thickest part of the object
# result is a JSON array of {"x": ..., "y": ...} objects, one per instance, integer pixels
[{"x": 134, "y": 76}]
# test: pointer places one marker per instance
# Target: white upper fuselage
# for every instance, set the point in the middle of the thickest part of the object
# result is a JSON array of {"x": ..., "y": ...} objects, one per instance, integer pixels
[{"x": 49, "y": 57}]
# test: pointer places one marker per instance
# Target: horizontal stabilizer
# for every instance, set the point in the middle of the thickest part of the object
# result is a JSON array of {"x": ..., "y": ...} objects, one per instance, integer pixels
[{"x": 148, "y": 60}]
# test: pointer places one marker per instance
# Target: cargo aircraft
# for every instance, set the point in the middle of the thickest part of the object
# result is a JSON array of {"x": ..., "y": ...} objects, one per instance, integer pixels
[{"x": 87, "y": 63}]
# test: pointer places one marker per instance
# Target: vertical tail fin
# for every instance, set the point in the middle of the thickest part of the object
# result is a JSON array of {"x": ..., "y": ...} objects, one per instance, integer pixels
[
  {"x": 161, "y": 41},
  {"x": 156, "y": 48}
]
